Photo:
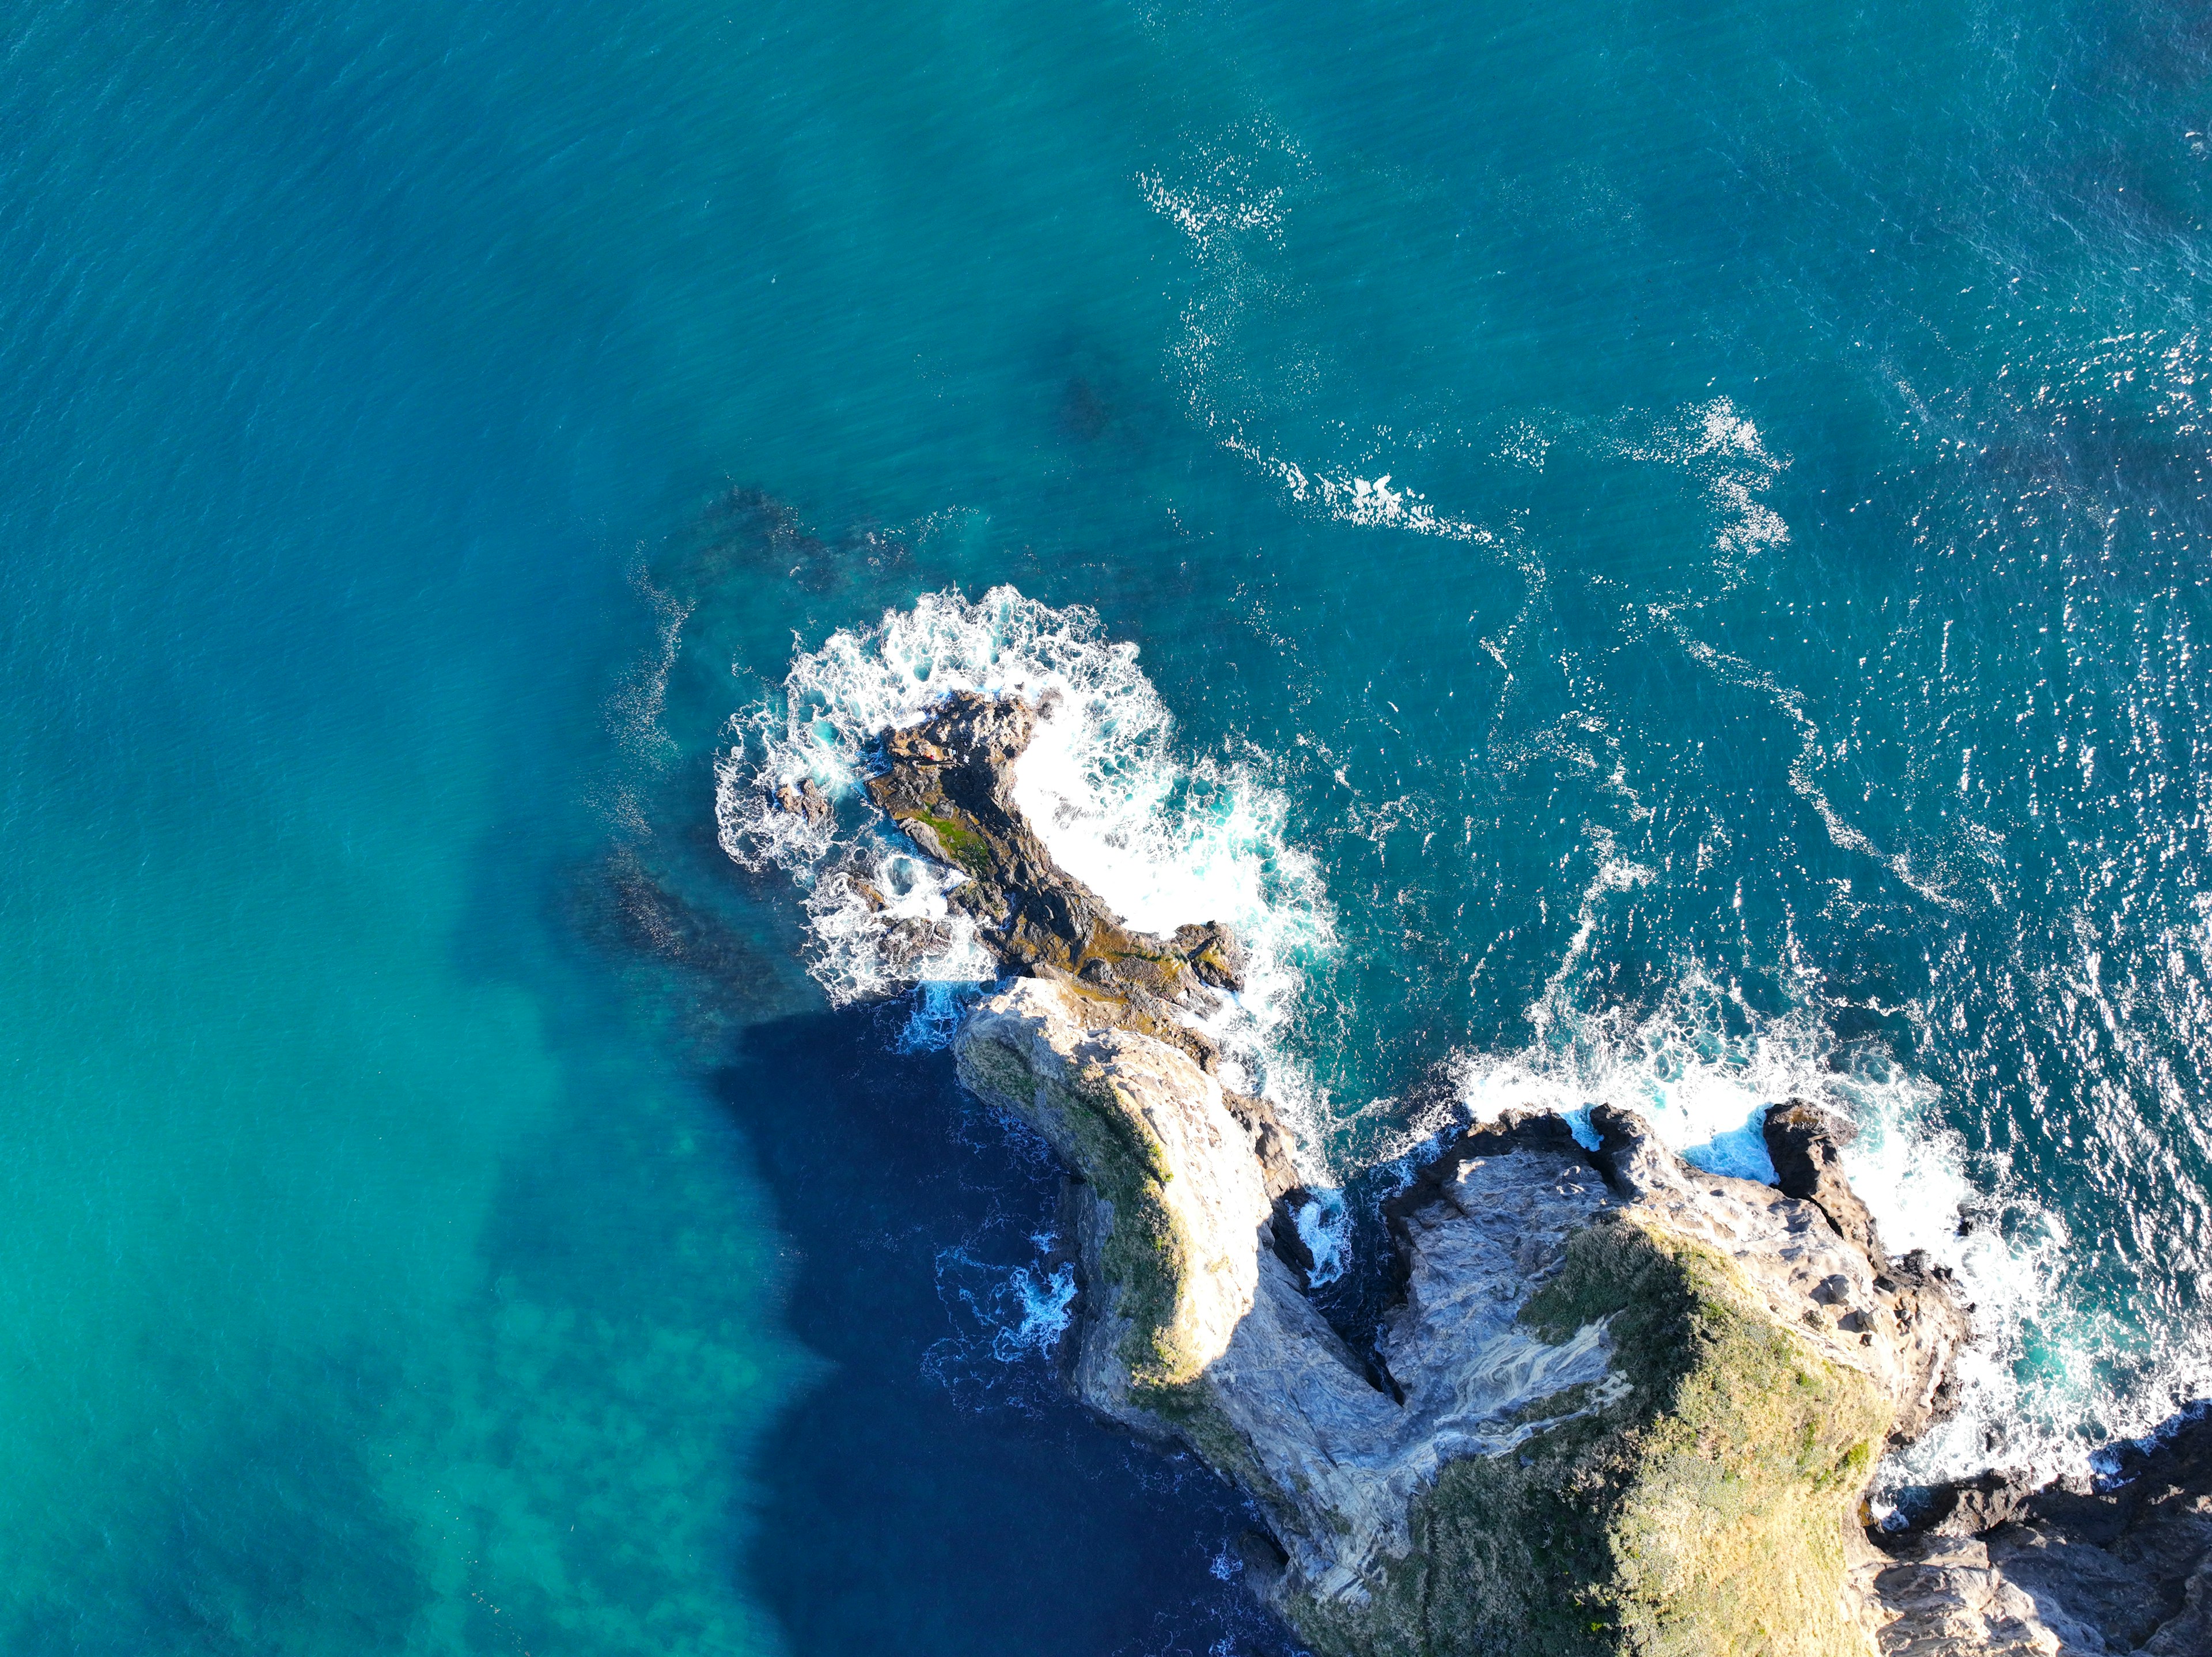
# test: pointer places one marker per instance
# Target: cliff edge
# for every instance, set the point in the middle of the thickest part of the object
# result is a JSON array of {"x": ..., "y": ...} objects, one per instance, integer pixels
[{"x": 1631, "y": 1405}]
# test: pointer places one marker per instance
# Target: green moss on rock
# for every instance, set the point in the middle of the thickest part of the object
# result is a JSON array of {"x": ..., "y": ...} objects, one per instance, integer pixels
[
  {"x": 961, "y": 843},
  {"x": 1145, "y": 1257},
  {"x": 1701, "y": 1514}
]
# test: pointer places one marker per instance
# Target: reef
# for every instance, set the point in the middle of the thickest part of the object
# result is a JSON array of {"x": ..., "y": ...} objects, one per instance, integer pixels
[
  {"x": 1620, "y": 1404},
  {"x": 948, "y": 783}
]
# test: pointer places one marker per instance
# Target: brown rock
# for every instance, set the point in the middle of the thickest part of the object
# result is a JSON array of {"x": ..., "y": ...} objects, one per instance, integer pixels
[
  {"x": 1807, "y": 1145},
  {"x": 948, "y": 783}
]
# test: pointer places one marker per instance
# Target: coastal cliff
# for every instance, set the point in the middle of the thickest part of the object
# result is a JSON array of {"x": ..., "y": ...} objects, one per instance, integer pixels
[
  {"x": 1630, "y": 1405},
  {"x": 2002, "y": 1565},
  {"x": 1622, "y": 1404}
]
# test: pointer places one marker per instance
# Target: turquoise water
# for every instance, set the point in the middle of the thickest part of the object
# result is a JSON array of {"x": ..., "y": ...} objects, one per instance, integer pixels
[{"x": 1673, "y": 541}]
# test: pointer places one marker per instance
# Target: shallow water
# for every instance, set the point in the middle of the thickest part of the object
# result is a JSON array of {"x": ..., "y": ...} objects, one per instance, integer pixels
[{"x": 1669, "y": 545}]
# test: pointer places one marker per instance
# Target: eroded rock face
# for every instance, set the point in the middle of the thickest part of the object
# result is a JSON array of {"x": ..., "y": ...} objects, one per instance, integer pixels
[
  {"x": 1191, "y": 1327},
  {"x": 1806, "y": 1144},
  {"x": 1626, "y": 1410},
  {"x": 2000, "y": 1566}
]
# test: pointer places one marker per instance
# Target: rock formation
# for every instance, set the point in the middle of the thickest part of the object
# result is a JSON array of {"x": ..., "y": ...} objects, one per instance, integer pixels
[
  {"x": 948, "y": 782},
  {"x": 1999, "y": 1566},
  {"x": 1640, "y": 1403},
  {"x": 1623, "y": 1405}
]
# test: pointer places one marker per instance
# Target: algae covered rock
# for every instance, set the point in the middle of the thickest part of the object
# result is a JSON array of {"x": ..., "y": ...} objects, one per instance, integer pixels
[{"x": 948, "y": 783}]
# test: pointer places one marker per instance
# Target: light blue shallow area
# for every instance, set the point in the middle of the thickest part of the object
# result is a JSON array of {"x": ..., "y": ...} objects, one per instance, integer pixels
[{"x": 1701, "y": 508}]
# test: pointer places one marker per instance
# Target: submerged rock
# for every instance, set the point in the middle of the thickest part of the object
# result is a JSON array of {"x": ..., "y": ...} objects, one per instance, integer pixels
[{"x": 1622, "y": 1405}]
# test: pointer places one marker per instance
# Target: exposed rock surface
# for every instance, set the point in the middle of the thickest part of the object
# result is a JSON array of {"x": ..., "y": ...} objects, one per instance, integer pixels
[
  {"x": 1633, "y": 1410},
  {"x": 1624, "y": 1404},
  {"x": 1996, "y": 1565},
  {"x": 1805, "y": 1144},
  {"x": 948, "y": 782}
]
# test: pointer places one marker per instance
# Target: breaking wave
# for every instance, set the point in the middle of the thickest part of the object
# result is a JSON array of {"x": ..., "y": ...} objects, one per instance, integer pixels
[
  {"x": 1168, "y": 837},
  {"x": 1702, "y": 1067},
  {"x": 1006, "y": 1320},
  {"x": 1164, "y": 838}
]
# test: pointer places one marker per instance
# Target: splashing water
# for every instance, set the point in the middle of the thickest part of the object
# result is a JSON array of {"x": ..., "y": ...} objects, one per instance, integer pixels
[
  {"x": 1167, "y": 840},
  {"x": 1703, "y": 1067},
  {"x": 1163, "y": 840}
]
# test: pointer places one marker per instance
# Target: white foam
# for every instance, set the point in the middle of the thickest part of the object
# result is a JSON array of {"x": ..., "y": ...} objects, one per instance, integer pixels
[
  {"x": 1716, "y": 443},
  {"x": 1704, "y": 1066},
  {"x": 1371, "y": 502},
  {"x": 1692, "y": 1069},
  {"x": 1324, "y": 1223},
  {"x": 1230, "y": 200},
  {"x": 1812, "y": 756},
  {"x": 1003, "y": 1318},
  {"x": 1165, "y": 839},
  {"x": 1037, "y": 1310}
]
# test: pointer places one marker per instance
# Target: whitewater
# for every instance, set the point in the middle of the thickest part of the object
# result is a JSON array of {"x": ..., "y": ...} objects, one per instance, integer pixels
[{"x": 1170, "y": 837}]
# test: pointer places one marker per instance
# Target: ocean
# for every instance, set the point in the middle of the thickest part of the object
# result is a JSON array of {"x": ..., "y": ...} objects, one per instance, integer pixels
[{"x": 1655, "y": 554}]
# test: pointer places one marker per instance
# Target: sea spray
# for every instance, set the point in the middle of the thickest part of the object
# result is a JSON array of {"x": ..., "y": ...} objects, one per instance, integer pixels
[
  {"x": 1702, "y": 1067},
  {"x": 1165, "y": 838}
]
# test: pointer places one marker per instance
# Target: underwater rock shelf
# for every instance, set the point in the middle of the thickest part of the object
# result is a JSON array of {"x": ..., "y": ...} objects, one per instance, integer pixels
[{"x": 1622, "y": 1405}]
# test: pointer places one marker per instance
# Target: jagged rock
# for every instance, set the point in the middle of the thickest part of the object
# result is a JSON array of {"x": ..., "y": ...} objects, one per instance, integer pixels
[
  {"x": 1625, "y": 1418},
  {"x": 1621, "y": 1405},
  {"x": 1948, "y": 1601},
  {"x": 806, "y": 801},
  {"x": 2066, "y": 1569},
  {"x": 948, "y": 783},
  {"x": 1270, "y": 1142},
  {"x": 1805, "y": 1144},
  {"x": 1913, "y": 1297},
  {"x": 1968, "y": 1506}
]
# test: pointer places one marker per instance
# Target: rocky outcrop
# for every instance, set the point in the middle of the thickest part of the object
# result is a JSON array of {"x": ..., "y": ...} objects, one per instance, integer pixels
[
  {"x": 1621, "y": 1405},
  {"x": 1631, "y": 1405},
  {"x": 2122, "y": 1563},
  {"x": 1806, "y": 1146},
  {"x": 948, "y": 783}
]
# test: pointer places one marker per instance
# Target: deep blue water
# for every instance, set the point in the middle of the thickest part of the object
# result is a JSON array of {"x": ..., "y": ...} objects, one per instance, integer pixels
[{"x": 1681, "y": 530}]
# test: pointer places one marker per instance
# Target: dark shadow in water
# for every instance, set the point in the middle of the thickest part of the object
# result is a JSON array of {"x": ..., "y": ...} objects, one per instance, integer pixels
[{"x": 901, "y": 1507}]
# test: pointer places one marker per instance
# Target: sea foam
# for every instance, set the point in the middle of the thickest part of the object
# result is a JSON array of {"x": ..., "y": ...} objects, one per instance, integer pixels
[
  {"x": 1164, "y": 837},
  {"x": 1167, "y": 838},
  {"x": 1704, "y": 1065}
]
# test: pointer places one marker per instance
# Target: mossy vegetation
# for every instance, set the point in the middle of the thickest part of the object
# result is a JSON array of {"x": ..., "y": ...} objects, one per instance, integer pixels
[
  {"x": 1146, "y": 1258},
  {"x": 1701, "y": 1514},
  {"x": 1190, "y": 1408},
  {"x": 962, "y": 844}
]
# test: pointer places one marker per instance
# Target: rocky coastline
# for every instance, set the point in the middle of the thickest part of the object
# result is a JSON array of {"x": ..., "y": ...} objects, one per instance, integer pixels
[{"x": 1620, "y": 1404}]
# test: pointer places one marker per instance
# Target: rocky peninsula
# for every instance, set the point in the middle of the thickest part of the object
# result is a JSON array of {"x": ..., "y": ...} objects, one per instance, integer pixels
[{"x": 1620, "y": 1404}]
